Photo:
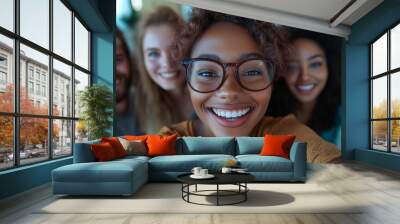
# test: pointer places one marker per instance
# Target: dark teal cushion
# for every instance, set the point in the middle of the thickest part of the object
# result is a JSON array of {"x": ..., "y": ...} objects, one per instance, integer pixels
[
  {"x": 206, "y": 145},
  {"x": 185, "y": 163},
  {"x": 257, "y": 163},
  {"x": 249, "y": 145},
  {"x": 83, "y": 152}
]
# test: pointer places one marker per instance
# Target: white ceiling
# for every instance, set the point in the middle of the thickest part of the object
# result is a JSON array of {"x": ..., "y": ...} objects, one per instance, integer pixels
[
  {"x": 315, "y": 15},
  {"x": 320, "y": 9}
]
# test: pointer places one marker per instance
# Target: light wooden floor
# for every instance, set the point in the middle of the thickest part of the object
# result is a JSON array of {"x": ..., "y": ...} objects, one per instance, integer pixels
[{"x": 378, "y": 188}]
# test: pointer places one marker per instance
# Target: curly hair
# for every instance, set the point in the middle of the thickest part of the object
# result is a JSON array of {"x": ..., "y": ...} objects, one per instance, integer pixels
[
  {"x": 323, "y": 116},
  {"x": 158, "y": 103},
  {"x": 271, "y": 38}
]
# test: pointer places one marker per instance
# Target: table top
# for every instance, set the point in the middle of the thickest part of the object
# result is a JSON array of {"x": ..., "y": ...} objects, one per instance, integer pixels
[{"x": 220, "y": 178}]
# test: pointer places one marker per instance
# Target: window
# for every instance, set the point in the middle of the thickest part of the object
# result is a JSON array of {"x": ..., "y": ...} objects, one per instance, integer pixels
[
  {"x": 3, "y": 71},
  {"x": 3, "y": 78},
  {"x": 43, "y": 90},
  {"x": 30, "y": 87},
  {"x": 385, "y": 91},
  {"x": 46, "y": 43},
  {"x": 38, "y": 89},
  {"x": 30, "y": 72},
  {"x": 37, "y": 75},
  {"x": 3, "y": 61}
]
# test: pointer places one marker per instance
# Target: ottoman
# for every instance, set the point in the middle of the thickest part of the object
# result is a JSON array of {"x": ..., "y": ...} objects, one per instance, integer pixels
[{"x": 118, "y": 177}]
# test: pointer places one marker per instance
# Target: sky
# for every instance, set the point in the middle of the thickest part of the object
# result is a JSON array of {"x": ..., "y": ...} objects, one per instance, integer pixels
[{"x": 35, "y": 27}]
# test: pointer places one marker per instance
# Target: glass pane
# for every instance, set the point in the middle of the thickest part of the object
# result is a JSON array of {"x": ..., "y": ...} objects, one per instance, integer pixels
[
  {"x": 379, "y": 135},
  {"x": 81, "y": 81},
  {"x": 6, "y": 74},
  {"x": 34, "y": 92},
  {"x": 33, "y": 139},
  {"x": 395, "y": 47},
  {"x": 81, "y": 131},
  {"x": 379, "y": 55},
  {"x": 395, "y": 136},
  {"x": 81, "y": 45},
  {"x": 379, "y": 98},
  {"x": 6, "y": 142},
  {"x": 62, "y": 29},
  {"x": 395, "y": 95},
  {"x": 62, "y": 89},
  {"x": 7, "y": 14},
  {"x": 35, "y": 21},
  {"x": 62, "y": 138}
]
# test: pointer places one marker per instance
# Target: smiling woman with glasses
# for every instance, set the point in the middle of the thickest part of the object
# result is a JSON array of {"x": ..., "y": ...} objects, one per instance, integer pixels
[{"x": 231, "y": 64}]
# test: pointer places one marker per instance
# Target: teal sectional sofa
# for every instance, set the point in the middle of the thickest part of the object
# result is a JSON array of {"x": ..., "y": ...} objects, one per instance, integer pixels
[{"x": 125, "y": 176}]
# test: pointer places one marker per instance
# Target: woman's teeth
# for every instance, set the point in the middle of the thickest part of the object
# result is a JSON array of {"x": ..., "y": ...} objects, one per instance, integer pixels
[
  {"x": 231, "y": 114},
  {"x": 305, "y": 87},
  {"x": 168, "y": 74}
]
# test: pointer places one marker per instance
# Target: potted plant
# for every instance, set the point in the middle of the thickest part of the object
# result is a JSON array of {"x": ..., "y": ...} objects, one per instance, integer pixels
[{"x": 96, "y": 102}]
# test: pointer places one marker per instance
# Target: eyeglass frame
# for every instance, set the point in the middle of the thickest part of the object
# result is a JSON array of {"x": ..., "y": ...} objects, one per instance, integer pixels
[{"x": 187, "y": 61}]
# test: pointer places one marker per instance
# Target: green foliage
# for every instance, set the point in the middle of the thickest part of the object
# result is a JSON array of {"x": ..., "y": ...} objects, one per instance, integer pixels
[{"x": 96, "y": 102}]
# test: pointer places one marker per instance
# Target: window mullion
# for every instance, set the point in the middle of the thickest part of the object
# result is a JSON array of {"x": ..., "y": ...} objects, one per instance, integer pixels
[
  {"x": 16, "y": 84},
  {"x": 73, "y": 83},
  {"x": 389, "y": 114},
  {"x": 371, "y": 89},
  {"x": 50, "y": 81}
]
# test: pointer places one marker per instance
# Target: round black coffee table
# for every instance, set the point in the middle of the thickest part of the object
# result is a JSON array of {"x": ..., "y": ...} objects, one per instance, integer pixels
[{"x": 238, "y": 179}]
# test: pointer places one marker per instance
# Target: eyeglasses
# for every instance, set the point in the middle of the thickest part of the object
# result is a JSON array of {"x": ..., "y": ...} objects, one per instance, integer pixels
[{"x": 206, "y": 75}]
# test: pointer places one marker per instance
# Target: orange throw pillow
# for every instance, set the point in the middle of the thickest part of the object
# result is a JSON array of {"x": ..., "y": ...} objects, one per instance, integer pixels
[
  {"x": 159, "y": 145},
  {"x": 135, "y": 137},
  {"x": 116, "y": 145},
  {"x": 277, "y": 145},
  {"x": 103, "y": 152}
]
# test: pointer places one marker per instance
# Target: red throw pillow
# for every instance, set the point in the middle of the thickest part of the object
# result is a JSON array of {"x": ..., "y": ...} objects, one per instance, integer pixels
[
  {"x": 116, "y": 145},
  {"x": 103, "y": 151},
  {"x": 277, "y": 145},
  {"x": 159, "y": 145}
]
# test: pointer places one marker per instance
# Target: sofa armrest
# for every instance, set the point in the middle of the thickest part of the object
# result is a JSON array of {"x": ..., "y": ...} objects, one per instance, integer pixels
[
  {"x": 83, "y": 152},
  {"x": 298, "y": 155}
]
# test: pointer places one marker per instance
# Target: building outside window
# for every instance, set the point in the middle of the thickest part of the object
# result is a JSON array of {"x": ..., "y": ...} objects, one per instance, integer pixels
[{"x": 385, "y": 91}]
